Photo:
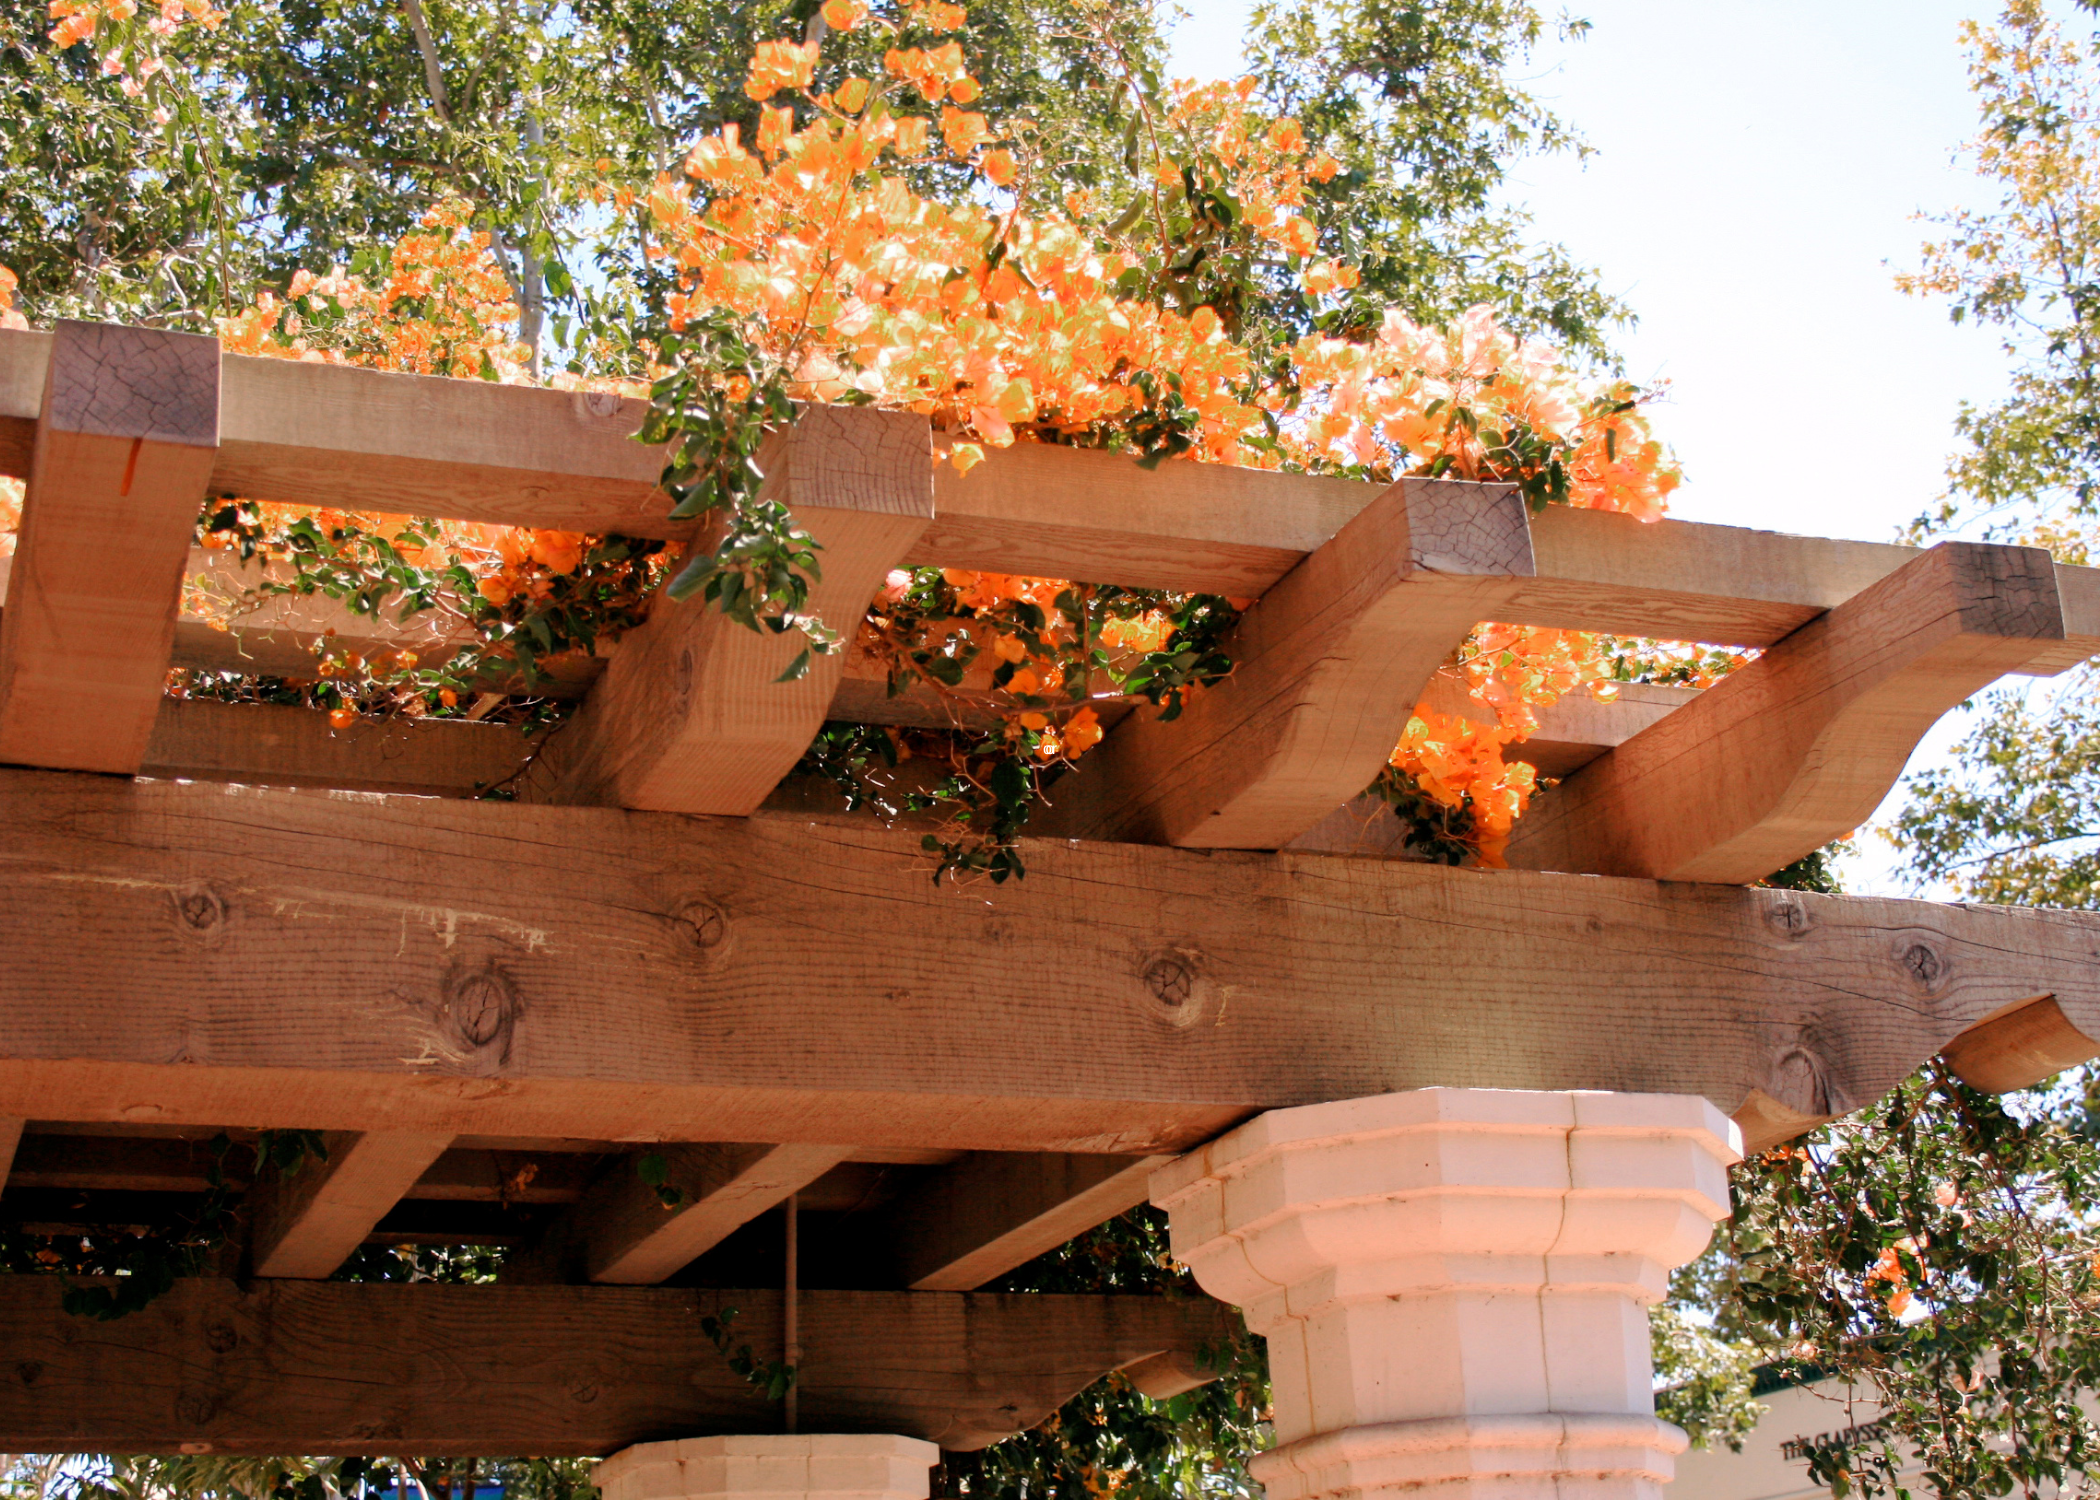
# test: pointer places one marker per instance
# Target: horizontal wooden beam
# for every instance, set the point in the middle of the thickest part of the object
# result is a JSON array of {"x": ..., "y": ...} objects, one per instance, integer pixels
[
  {"x": 972, "y": 1222},
  {"x": 1800, "y": 746},
  {"x": 430, "y": 1370},
  {"x": 276, "y": 745},
  {"x": 1328, "y": 667},
  {"x": 196, "y": 954},
  {"x": 123, "y": 449},
  {"x": 307, "y": 1221},
  {"x": 330, "y": 435}
]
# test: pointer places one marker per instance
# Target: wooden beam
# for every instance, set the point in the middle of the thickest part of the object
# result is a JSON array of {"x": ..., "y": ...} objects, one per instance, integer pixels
[
  {"x": 323, "y": 1368},
  {"x": 10, "y": 1143},
  {"x": 623, "y": 1234},
  {"x": 276, "y": 745},
  {"x": 1328, "y": 668},
  {"x": 123, "y": 450},
  {"x": 2018, "y": 1048},
  {"x": 331, "y": 435},
  {"x": 307, "y": 1223},
  {"x": 1799, "y": 747},
  {"x": 553, "y": 459},
  {"x": 691, "y": 716},
  {"x": 974, "y": 1221},
  {"x": 189, "y": 954}
]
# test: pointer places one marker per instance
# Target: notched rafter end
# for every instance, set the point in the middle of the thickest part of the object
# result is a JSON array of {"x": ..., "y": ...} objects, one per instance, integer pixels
[{"x": 2018, "y": 1047}]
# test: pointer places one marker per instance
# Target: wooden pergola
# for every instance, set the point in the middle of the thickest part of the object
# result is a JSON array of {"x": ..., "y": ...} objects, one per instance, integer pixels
[{"x": 233, "y": 918}]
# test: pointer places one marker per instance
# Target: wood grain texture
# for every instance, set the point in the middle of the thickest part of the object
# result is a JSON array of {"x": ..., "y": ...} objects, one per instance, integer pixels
[
  {"x": 123, "y": 450},
  {"x": 430, "y": 1370},
  {"x": 2019, "y": 1048},
  {"x": 691, "y": 716},
  {"x": 307, "y": 1222},
  {"x": 331, "y": 435},
  {"x": 976, "y": 1220},
  {"x": 626, "y": 1236},
  {"x": 1799, "y": 747},
  {"x": 224, "y": 956},
  {"x": 1328, "y": 667}
]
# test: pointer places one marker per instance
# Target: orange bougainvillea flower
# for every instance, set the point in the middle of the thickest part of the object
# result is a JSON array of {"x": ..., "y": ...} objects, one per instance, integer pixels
[
  {"x": 845, "y": 15},
  {"x": 781, "y": 65}
]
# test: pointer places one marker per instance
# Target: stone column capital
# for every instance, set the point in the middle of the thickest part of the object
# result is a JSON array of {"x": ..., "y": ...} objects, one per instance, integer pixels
[{"x": 1454, "y": 1283}]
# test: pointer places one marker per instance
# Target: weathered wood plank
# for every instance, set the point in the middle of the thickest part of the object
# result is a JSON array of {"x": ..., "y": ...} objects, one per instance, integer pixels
[
  {"x": 123, "y": 450},
  {"x": 1799, "y": 747},
  {"x": 196, "y": 954},
  {"x": 691, "y": 716},
  {"x": 325, "y": 1368},
  {"x": 990, "y": 1212},
  {"x": 306, "y": 1223},
  {"x": 1328, "y": 668},
  {"x": 625, "y": 1235}
]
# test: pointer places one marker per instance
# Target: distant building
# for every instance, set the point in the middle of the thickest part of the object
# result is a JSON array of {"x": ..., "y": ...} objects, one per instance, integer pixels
[{"x": 1774, "y": 1462}]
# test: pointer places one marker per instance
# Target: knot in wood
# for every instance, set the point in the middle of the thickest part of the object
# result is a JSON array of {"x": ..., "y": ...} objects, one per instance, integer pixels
[
  {"x": 1173, "y": 989},
  {"x": 1925, "y": 964},
  {"x": 1789, "y": 917},
  {"x": 1170, "y": 981},
  {"x": 475, "y": 1020},
  {"x": 194, "y": 1410},
  {"x": 706, "y": 925},
  {"x": 221, "y": 1339},
  {"x": 601, "y": 403},
  {"x": 200, "y": 913},
  {"x": 479, "y": 1006},
  {"x": 29, "y": 1371},
  {"x": 583, "y": 1394}
]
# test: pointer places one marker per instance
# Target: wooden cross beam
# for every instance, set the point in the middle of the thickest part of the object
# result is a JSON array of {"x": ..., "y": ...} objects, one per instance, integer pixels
[
  {"x": 429, "y": 1370},
  {"x": 196, "y": 954}
]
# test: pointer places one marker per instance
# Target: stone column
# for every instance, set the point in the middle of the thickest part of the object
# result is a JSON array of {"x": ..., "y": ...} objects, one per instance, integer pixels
[
  {"x": 1454, "y": 1283},
  {"x": 818, "y": 1466}
]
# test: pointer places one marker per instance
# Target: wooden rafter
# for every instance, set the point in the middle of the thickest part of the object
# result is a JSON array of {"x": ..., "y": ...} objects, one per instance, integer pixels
[
  {"x": 430, "y": 1370},
  {"x": 191, "y": 954},
  {"x": 122, "y": 451},
  {"x": 693, "y": 715},
  {"x": 1328, "y": 667},
  {"x": 623, "y": 1233},
  {"x": 308, "y": 1221},
  {"x": 976, "y": 1220},
  {"x": 1798, "y": 748}
]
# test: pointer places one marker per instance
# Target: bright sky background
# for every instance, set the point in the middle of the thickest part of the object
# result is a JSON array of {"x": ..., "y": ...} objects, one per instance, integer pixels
[{"x": 1758, "y": 167}]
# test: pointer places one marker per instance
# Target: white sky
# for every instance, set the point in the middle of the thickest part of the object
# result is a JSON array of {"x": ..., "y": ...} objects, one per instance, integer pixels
[{"x": 1758, "y": 167}]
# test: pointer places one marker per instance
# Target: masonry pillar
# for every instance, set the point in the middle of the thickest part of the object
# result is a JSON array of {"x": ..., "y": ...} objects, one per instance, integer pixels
[
  {"x": 1454, "y": 1283},
  {"x": 817, "y": 1466}
]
